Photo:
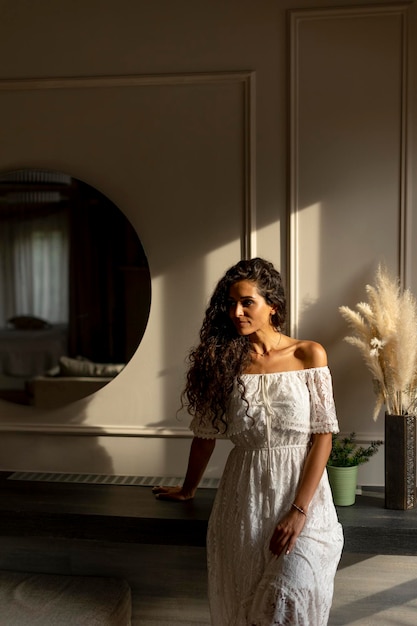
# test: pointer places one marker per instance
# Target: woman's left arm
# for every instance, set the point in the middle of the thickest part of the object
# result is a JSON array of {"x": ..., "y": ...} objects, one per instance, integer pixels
[
  {"x": 312, "y": 355},
  {"x": 321, "y": 445},
  {"x": 291, "y": 525}
]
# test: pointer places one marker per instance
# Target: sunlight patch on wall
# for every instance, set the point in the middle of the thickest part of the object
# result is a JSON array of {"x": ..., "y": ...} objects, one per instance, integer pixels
[
  {"x": 306, "y": 262},
  {"x": 267, "y": 244}
]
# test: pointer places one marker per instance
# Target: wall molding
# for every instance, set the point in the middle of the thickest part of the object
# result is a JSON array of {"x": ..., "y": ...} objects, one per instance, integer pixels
[
  {"x": 129, "y": 80},
  {"x": 106, "y": 430},
  {"x": 95, "y": 430},
  {"x": 296, "y": 18},
  {"x": 244, "y": 77}
]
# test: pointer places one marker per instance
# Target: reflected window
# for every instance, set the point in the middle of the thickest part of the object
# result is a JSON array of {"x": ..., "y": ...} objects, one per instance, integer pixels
[{"x": 35, "y": 263}]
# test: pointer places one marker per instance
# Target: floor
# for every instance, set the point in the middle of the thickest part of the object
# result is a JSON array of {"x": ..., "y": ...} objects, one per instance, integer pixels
[
  {"x": 159, "y": 548},
  {"x": 375, "y": 589}
]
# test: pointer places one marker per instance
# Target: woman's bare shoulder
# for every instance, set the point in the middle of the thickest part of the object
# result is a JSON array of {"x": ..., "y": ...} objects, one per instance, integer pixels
[{"x": 311, "y": 354}]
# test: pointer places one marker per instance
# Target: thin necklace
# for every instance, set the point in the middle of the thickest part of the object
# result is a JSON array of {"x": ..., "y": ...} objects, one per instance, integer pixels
[{"x": 270, "y": 350}]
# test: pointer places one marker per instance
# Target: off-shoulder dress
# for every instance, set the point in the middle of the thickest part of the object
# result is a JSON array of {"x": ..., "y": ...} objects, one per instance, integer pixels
[{"x": 248, "y": 585}]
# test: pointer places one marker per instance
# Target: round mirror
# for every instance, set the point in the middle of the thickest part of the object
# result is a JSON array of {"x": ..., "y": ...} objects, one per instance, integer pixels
[{"x": 75, "y": 289}]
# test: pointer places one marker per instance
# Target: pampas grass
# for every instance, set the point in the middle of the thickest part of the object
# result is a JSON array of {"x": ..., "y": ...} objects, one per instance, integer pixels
[{"x": 385, "y": 332}]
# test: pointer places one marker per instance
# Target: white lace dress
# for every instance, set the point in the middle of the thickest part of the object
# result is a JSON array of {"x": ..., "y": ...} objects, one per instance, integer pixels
[{"x": 248, "y": 585}]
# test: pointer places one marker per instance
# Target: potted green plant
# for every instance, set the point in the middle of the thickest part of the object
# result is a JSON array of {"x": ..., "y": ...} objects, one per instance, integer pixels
[
  {"x": 342, "y": 467},
  {"x": 385, "y": 332}
]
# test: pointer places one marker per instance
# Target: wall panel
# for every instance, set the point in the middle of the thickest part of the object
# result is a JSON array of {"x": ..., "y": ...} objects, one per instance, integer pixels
[
  {"x": 187, "y": 143},
  {"x": 347, "y": 189}
]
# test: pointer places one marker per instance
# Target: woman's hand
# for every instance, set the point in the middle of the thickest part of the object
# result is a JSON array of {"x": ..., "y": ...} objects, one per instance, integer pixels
[
  {"x": 176, "y": 494},
  {"x": 286, "y": 533},
  {"x": 200, "y": 453}
]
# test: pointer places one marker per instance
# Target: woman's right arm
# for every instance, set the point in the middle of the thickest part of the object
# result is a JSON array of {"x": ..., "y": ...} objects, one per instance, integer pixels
[{"x": 200, "y": 453}]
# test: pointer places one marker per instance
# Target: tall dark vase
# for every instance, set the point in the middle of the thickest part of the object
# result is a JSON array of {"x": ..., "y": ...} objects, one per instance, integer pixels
[{"x": 400, "y": 462}]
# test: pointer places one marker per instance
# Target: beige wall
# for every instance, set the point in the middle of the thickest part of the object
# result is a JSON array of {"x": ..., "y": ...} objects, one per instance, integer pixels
[{"x": 178, "y": 112}]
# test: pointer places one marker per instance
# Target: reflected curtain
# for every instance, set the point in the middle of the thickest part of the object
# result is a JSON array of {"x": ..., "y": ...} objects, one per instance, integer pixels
[
  {"x": 97, "y": 256},
  {"x": 34, "y": 261}
]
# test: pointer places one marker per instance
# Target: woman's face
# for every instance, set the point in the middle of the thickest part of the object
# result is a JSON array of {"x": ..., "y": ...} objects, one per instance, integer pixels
[{"x": 248, "y": 310}]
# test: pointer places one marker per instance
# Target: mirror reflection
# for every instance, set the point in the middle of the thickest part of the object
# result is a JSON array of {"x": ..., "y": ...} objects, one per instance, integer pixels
[{"x": 74, "y": 289}]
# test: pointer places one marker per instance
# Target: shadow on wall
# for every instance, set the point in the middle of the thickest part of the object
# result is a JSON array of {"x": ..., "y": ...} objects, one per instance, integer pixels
[{"x": 51, "y": 441}]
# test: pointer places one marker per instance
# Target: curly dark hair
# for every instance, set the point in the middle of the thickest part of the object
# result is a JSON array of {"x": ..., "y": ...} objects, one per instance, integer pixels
[{"x": 223, "y": 354}]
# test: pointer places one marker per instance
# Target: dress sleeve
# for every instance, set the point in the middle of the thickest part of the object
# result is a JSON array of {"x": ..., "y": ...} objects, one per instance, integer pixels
[
  {"x": 323, "y": 411},
  {"x": 206, "y": 430}
]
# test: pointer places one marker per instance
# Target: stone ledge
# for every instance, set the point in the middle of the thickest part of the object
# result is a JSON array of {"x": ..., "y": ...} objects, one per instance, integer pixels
[
  {"x": 371, "y": 528},
  {"x": 132, "y": 515}
]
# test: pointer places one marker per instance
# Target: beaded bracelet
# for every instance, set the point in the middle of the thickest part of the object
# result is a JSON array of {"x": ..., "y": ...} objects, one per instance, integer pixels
[{"x": 299, "y": 509}]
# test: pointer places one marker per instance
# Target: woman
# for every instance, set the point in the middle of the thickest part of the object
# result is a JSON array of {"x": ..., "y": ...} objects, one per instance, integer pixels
[{"x": 274, "y": 541}]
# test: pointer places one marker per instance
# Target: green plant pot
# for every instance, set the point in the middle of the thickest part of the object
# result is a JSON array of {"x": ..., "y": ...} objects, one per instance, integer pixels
[{"x": 343, "y": 481}]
